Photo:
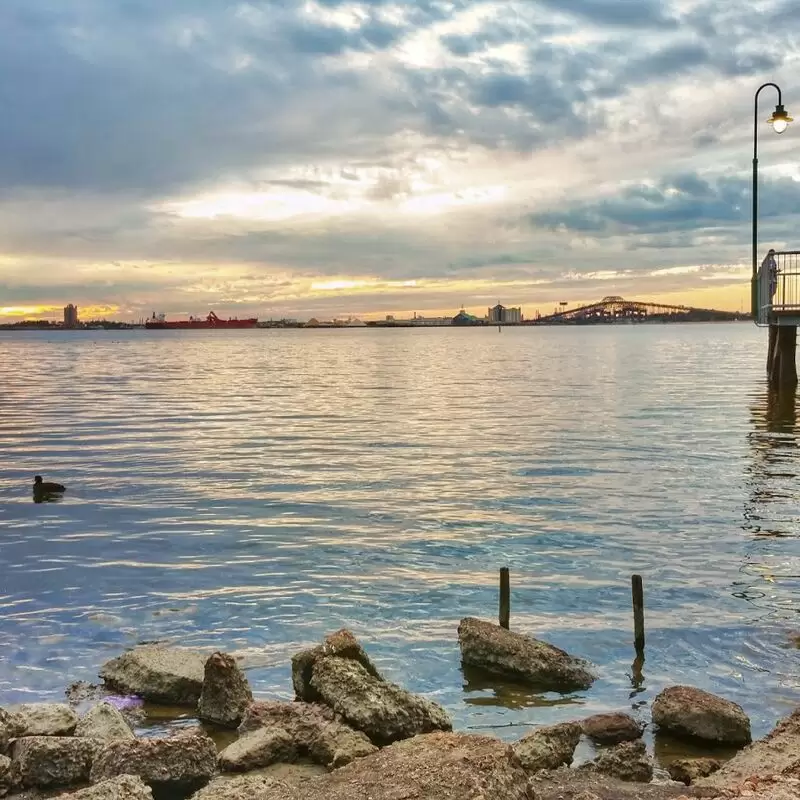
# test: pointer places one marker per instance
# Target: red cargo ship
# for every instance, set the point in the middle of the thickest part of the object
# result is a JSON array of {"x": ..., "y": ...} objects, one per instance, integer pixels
[{"x": 211, "y": 321}]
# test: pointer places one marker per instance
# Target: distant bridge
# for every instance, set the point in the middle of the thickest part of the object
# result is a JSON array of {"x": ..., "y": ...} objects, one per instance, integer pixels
[{"x": 613, "y": 309}]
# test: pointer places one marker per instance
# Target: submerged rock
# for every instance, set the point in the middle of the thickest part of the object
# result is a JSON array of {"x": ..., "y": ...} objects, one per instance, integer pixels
[
  {"x": 46, "y": 719},
  {"x": 49, "y": 761},
  {"x": 383, "y": 711},
  {"x": 549, "y": 747},
  {"x": 627, "y": 762},
  {"x": 103, "y": 721},
  {"x": 178, "y": 764},
  {"x": 342, "y": 644},
  {"x": 314, "y": 730},
  {"x": 612, "y": 728},
  {"x": 258, "y": 749},
  {"x": 166, "y": 675},
  {"x": 688, "y": 770},
  {"x": 124, "y": 787},
  {"x": 689, "y": 712},
  {"x": 226, "y": 692},
  {"x": 522, "y": 658}
]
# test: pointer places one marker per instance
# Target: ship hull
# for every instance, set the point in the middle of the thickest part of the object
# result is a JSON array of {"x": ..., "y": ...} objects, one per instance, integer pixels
[{"x": 212, "y": 321}]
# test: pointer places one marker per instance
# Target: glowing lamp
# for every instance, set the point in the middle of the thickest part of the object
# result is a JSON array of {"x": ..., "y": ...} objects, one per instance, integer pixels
[{"x": 780, "y": 119}]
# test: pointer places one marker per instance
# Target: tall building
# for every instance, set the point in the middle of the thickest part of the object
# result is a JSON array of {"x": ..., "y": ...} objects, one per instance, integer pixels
[
  {"x": 71, "y": 316},
  {"x": 499, "y": 314}
]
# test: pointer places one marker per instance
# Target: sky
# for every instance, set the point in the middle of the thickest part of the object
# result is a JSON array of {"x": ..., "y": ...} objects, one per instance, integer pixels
[{"x": 333, "y": 158}]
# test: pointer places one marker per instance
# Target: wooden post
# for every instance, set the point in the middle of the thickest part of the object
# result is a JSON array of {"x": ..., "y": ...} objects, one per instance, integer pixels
[
  {"x": 783, "y": 367},
  {"x": 505, "y": 598},
  {"x": 638, "y": 614},
  {"x": 773, "y": 335}
]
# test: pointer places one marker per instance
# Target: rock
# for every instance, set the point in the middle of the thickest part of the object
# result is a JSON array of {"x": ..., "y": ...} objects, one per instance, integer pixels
[
  {"x": 103, "y": 721},
  {"x": 160, "y": 674},
  {"x": 83, "y": 696},
  {"x": 258, "y": 749},
  {"x": 47, "y": 761},
  {"x": 252, "y": 784},
  {"x": 549, "y": 747},
  {"x": 627, "y": 762},
  {"x": 10, "y": 728},
  {"x": 612, "y": 728},
  {"x": 124, "y": 787},
  {"x": 383, "y": 711},
  {"x": 46, "y": 719},
  {"x": 342, "y": 644},
  {"x": 226, "y": 692},
  {"x": 518, "y": 657},
  {"x": 181, "y": 763},
  {"x": 689, "y": 712},
  {"x": 5, "y": 775},
  {"x": 688, "y": 770},
  {"x": 314, "y": 730},
  {"x": 777, "y": 752}
]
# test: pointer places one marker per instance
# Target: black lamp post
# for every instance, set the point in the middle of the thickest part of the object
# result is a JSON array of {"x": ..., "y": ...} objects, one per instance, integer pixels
[{"x": 780, "y": 122}]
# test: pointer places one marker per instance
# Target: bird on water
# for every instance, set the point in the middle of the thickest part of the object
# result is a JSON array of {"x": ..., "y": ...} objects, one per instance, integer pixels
[{"x": 47, "y": 487}]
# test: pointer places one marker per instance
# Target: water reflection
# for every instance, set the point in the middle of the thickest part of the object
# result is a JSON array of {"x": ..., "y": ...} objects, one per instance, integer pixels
[{"x": 496, "y": 691}]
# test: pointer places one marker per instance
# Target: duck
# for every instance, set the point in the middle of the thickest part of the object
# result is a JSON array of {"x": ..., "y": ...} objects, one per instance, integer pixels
[{"x": 47, "y": 487}]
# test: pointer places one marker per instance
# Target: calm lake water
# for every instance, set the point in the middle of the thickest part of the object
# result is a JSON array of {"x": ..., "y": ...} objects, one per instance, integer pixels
[{"x": 255, "y": 490}]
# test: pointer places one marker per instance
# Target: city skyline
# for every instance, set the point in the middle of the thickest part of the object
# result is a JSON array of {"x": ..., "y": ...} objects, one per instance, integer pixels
[{"x": 364, "y": 158}]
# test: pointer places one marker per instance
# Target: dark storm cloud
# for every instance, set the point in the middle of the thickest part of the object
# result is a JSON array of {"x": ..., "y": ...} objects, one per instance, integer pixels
[{"x": 683, "y": 202}]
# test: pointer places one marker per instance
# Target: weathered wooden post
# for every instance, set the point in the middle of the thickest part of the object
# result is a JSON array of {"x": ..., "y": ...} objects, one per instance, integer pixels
[
  {"x": 781, "y": 362},
  {"x": 637, "y": 591},
  {"x": 505, "y": 598}
]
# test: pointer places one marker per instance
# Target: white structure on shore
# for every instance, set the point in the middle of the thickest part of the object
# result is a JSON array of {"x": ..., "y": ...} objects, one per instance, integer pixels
[{"x": 500, "y": 315}]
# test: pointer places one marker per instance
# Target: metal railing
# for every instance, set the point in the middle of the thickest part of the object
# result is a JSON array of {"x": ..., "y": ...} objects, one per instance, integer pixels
[{"x": 778, "y": 292}]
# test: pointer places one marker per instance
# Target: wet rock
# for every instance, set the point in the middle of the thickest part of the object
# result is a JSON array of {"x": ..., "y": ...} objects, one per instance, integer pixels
[
  {"x": 10, "y": 728},
  {"x": 258, "y": 749},
  {"x": 103, "y": 721},
  {"x": 689, "y": 712},
  {"x": 342, "y": 644},
  {"x": 549, "y": 747},
  {"x": 777, "y": 752},
  {"x": 178, "y": 764},
  {"x": 124, "y": 787},
  {"x": 226, "y": 692},
  {"x": 314, "y": 729},
  {"x": 612, "y": 728},
  {"x": 46, "y": 719},
  {"x": 627, "y": 762},
  {"x": 82, "y": 696},
  {"x": 5, "y": 775},
  {"x": 171, "y": 676},
  {"x": 518, "y": 657},
  {"x": 688, "y": 770},
  {"x": 383, "y": 711},
  {"x": 48, "y": 761}
]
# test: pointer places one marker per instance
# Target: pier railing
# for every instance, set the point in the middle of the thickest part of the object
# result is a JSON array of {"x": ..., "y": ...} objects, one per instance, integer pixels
[{"x": 778, "y": 292}]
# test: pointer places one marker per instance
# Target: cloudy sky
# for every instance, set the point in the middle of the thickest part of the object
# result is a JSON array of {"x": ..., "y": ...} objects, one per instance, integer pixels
[{"x": 328, "y": 158}]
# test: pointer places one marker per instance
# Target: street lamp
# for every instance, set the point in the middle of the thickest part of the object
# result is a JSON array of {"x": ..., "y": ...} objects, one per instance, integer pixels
[{"x": 779, "y": 120}]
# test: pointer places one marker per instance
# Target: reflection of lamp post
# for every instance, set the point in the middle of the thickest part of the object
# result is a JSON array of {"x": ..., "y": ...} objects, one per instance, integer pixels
[{"x": 780, "y": 122}]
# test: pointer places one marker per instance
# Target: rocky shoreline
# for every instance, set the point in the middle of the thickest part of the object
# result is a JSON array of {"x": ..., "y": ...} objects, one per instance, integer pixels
[{"x": 352, "y": 735}]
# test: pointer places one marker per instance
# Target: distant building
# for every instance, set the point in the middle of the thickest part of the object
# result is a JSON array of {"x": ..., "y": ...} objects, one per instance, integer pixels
[
  {"x": 464, "y": 318},
  {"x": 500, "y": 315},
  {"x": 71, "y": 316}
]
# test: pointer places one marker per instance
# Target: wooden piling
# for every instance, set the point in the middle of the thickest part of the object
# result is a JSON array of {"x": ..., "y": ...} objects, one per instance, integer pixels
[
  {"x": 637, "y": 592},
  {"x": 781, "y": 362},
  {"x": 505, "y": 598},
  {"x": 773, "y": 335}
]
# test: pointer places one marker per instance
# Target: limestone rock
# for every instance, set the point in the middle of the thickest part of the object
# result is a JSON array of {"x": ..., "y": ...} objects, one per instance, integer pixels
[
  {"x": 181, "y": 763},
  {"x": 688, "y": 770},
  {"x": 778, "y": 752},
  {"x": 161, "y": 674},
  {"x": 518, "y": 657},
  {"x": 103, "y": 721},
  {"x": 342, "y": 644},
  {"x": 124, "y": 787},
  {"x": 46, "y": 719},
  {"x": 549, "y": 747},
  {"x": 313, "y": 728},
  {"x": 627, "y": 762},
  {"x": 250, "y": 785},
  {"x": 5, "y": 775},
  {"x": 258, "y": 749},
  {"x": 48, "y": 761},
  {"x": 383, "y": 711},
  {"x": 612, "y": 728},
  {"x": 689, "y": 712},
  {"x": 226, "y": 693},
  {"x": 10, "y": 728}
]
